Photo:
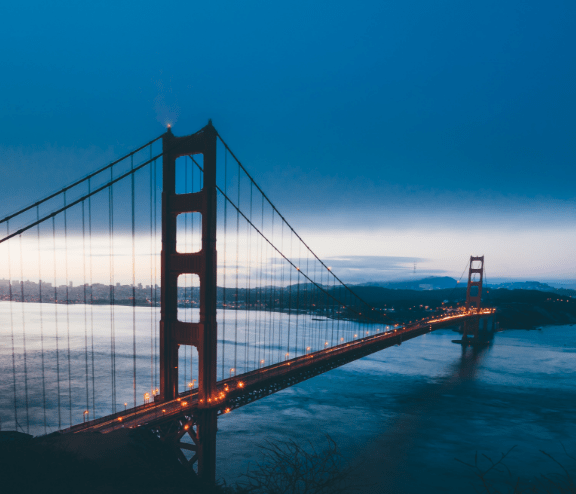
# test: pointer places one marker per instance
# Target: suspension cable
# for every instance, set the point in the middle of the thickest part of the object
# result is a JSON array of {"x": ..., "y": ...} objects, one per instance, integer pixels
[
  {"x": 284, "y": 219},
  {"x": 78, "y": 182},
  {"x": 239, "y": 212}
]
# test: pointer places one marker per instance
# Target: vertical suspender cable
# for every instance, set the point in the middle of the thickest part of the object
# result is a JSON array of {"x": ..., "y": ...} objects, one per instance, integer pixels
[
  {"x": 224, "y": 299},
  {"x": 12, "y": 328},
  {"x": 191, "y": 284},
  {"x": 298, "y": 297},
  {"x": 56, "y": 325},
  {"x": 155, "y": 275},
  {"x": 41, "y": 322},
  {"x": 24, "y": 336},
  {"x": 289, "y": 296},
  {"x": 133, "y": 282},
  {"x": 268, "y": 306},
  {"x": 272, "y": 296},
  {"x": 91, "y": 300},
  {"x": 85, "y": 305},
  {"x": 256, "y": 304},
  {"x": 338, "y": 315},
  {"x": 111, "y": 257},
  {"x": 186, "y": 277},
  {"x": 68, "y": 313},
  {"x": 152, "y": 309},
  {"x": 236, "y": 295},
  {"x": 332, "y": 311},
  {"x": 260, "y": 298},
  {"x": 314, "y": 291},
  {"x": 248, "y": 255},
  {"x": 282, "y": 289},
  {"x": 308, "y": 301}
]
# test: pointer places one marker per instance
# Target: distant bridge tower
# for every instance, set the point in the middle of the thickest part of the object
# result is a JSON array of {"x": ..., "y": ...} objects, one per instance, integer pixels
[
  {"x": 473, "y": 296},
  {"x": 173, "y": 333}
]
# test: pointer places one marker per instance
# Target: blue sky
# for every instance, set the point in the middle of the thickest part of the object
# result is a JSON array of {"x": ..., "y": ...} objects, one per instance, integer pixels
[{"x": 404, "y": 129}]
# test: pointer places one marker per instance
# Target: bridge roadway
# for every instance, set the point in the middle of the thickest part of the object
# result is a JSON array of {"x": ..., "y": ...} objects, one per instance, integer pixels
[{"x": 238, "y": 391}]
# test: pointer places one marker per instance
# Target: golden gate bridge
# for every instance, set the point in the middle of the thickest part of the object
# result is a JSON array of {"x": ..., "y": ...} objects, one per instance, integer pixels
[{"x": 236, "y": 307}]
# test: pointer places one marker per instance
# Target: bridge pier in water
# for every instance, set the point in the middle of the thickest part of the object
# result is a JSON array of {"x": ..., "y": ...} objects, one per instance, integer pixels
[{"x": 173, "y": 333}]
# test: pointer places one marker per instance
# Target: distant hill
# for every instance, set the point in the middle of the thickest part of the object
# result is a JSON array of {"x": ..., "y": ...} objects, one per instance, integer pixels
[{"x": 431, "y": 283}]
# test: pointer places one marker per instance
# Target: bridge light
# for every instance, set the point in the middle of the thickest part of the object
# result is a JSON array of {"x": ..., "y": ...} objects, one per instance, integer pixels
[
  {"x": 240, "y": 384},
  {"x": 186, "y": 427},
  {"x": 184, "y": 403},
  {"x": 227, "y": 410}
]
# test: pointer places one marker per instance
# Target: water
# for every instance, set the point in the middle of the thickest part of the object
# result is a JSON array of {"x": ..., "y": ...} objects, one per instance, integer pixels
[
  {"x": 400, "y": 416},
  {"x": 64, "y": 360}
]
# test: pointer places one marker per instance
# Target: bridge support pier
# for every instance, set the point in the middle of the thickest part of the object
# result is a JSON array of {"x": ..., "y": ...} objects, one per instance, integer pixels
[{"x": 207, "y": 426}]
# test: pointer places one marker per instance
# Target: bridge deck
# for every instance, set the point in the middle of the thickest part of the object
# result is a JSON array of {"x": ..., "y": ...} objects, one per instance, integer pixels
[{"x": 251, "y": 386}]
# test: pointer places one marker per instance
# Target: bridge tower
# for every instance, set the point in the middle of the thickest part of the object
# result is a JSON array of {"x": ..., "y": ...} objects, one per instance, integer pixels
[
  {"x": 473, "y": 296},
  {"x": 173, "y": 333}
]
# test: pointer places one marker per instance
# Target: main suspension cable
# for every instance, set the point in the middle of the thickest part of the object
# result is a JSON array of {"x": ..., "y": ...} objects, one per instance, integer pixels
[{"x": 78, "y": 182}]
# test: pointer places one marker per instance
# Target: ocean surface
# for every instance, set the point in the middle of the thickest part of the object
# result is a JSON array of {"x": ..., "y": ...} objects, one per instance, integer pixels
[{"x": 401, "y": 417}]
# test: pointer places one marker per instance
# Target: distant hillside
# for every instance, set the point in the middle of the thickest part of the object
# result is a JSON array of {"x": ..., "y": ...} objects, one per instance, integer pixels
[
  {"x": 533, "y": 285},
  {"x": 515, "y": 308},
  {"x": 448, "y": 283},
  {"x": 431, "y": 283}
]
